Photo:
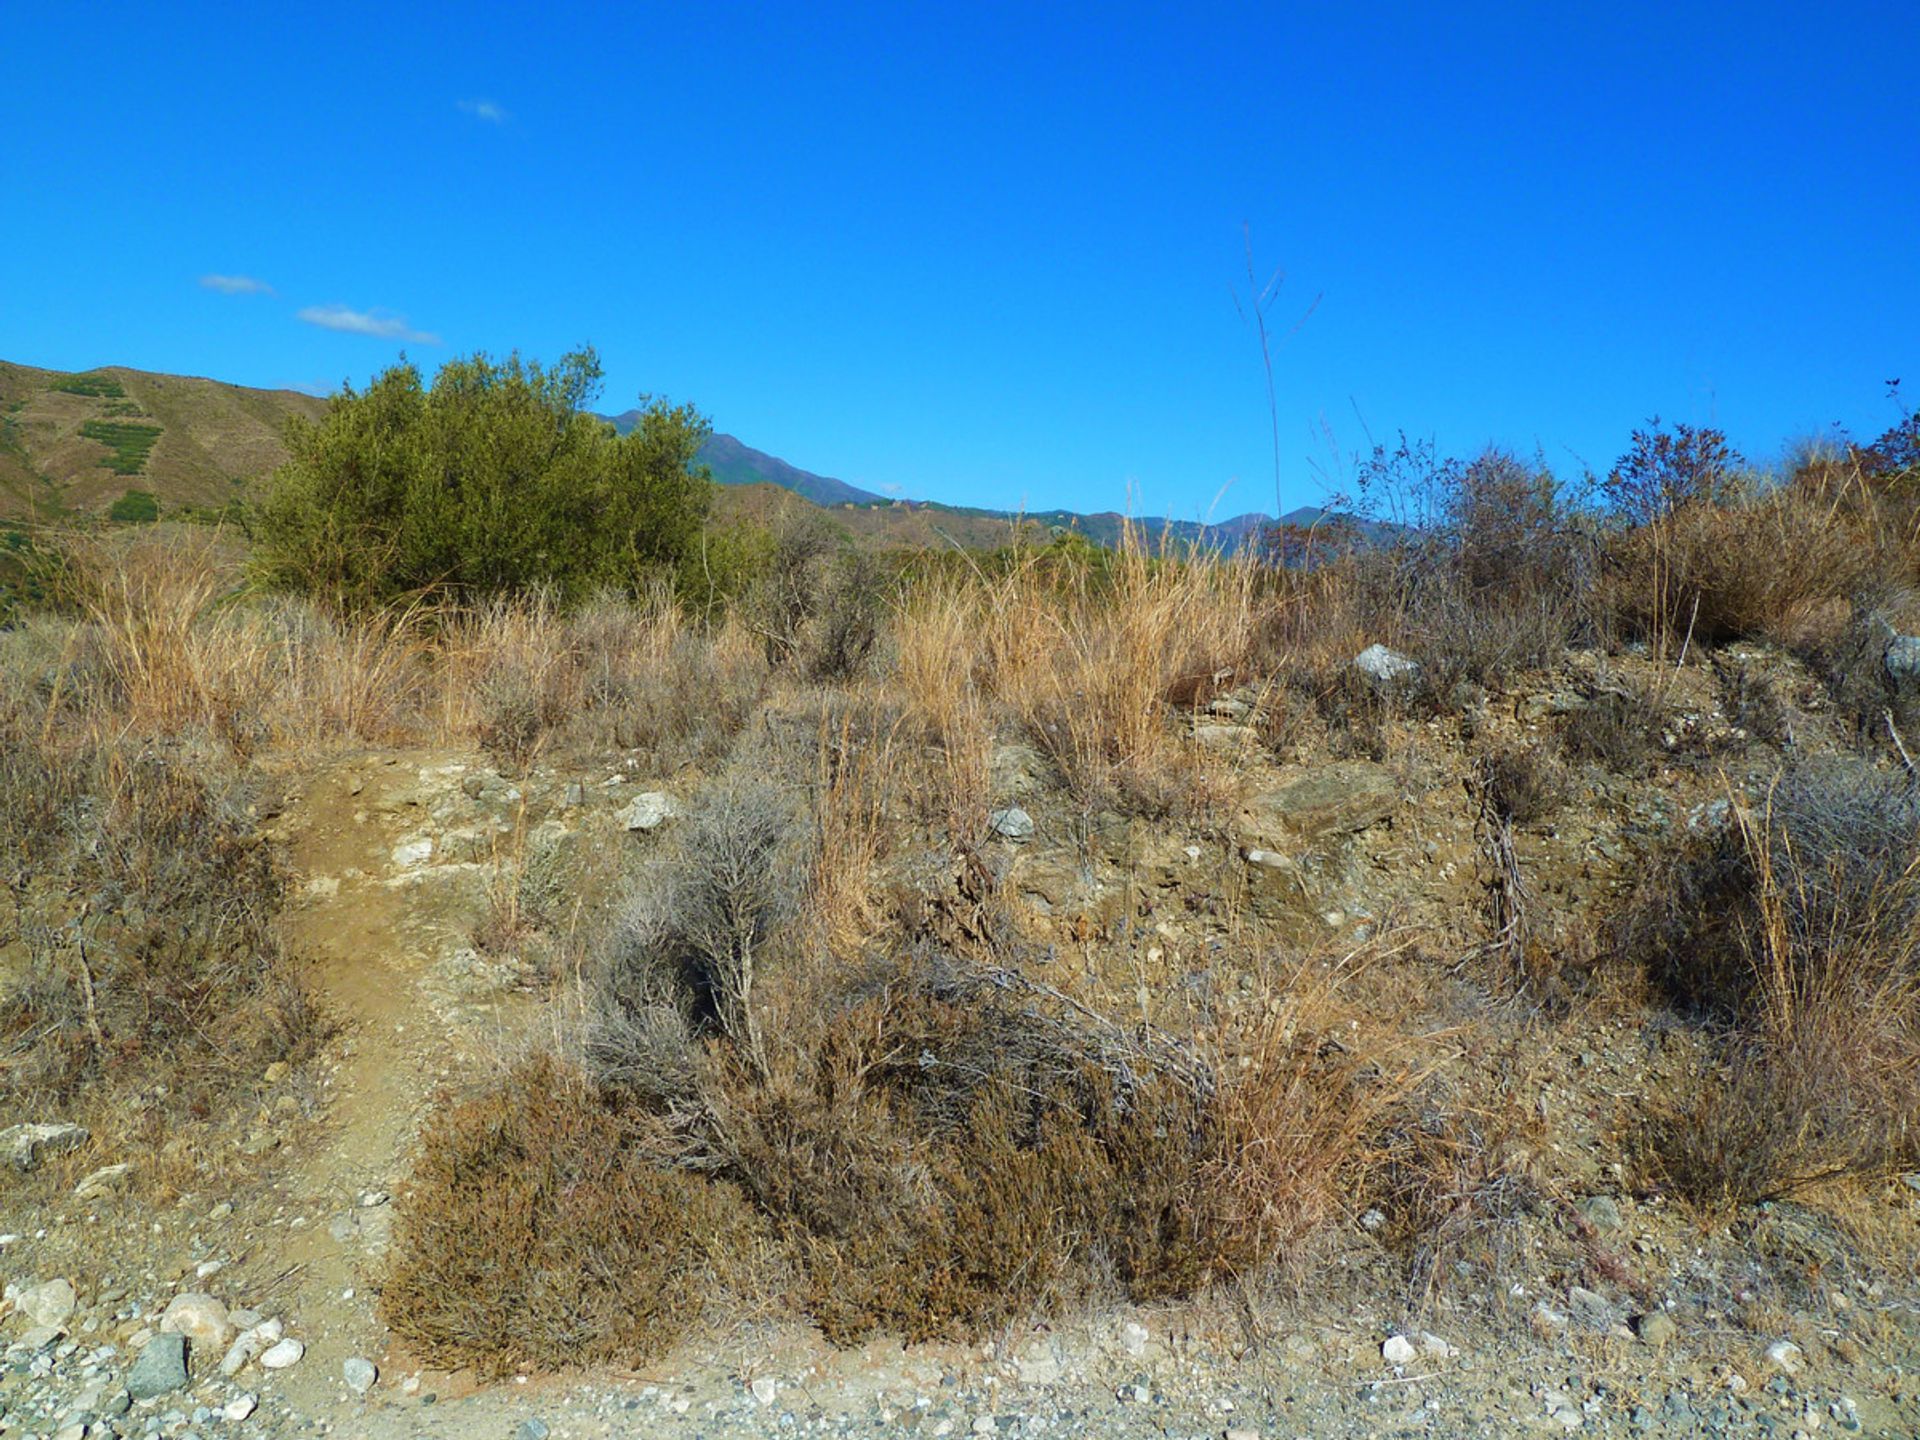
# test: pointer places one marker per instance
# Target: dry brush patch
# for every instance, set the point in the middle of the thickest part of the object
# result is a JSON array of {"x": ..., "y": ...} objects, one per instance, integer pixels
[
  {"x": 154, "y": 990},
  {"x": 1795, "y": 932},
  {"x": 937, "y": 1146}
]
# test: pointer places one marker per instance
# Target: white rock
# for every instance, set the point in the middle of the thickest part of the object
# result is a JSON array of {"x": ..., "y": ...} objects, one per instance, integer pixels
[
  {"x": 240, "y": 1407},
  {"x": 412, "y": 853},
  {"x": 359, "y": 1374},
  {"x": 23, "y": 1145},
  {"x": 1398, "y": 1350},
  {"x": 1011, "y": 823},
  {"x": 1039, "y": 1365},
  {"x": 1133, "y": 1338},
  {"x": 50, "y": 1304},
  {"x": 1377, "y": 662},
  {"x": 765, "y": 1389},
  {"x": 1786, "y": 1356},
  {"x": 201, "y": 1318},
  {"x": 1432, "y": 1344},
  {"x": 283, "y": 1356},
  {"x": 649, "y": 810}
]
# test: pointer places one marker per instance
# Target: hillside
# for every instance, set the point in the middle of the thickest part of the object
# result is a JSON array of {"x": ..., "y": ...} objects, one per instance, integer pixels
[
  {"x": 75, "y": 443},
  {"x": 78, "y": 442}
]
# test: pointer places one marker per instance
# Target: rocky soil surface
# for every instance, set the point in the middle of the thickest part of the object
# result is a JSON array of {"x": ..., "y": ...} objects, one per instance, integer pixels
[{"x": 248, "y": 1309}]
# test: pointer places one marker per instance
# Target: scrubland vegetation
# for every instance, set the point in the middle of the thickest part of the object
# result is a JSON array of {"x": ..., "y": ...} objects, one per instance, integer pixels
[{"x": 815, "y": 1054}]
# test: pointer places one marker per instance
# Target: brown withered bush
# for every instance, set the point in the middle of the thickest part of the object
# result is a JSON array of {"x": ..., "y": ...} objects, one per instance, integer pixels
[
  {"x": 1617, "y": 729},
  {"x": 536, "y": 1232},
  {"x": 943, "y": 1145},
  {"x": 1744, "y": 569},
  {"x": 1522, "y": 783},
  {"x": 146, "y": 902},
  {"x": 1796, "y": 929}
]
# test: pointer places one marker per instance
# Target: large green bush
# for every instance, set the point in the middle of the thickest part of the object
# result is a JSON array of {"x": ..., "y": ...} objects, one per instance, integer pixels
[{"x": 494, "y": 479}]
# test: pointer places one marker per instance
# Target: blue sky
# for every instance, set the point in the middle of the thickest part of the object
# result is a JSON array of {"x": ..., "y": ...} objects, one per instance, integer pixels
[{"x": 987, "y": 253}]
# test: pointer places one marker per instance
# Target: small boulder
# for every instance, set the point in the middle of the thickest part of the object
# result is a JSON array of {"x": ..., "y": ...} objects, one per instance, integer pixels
[
  {"x": 24, "y": 1146},
  {"x": 201, "y": 1318},
  {"x": 359, "y": 1373},
  {"x": 161, "y": 1368},
  {"x": 1786, "y": 1357},
  {"x": 240, "y": 1407},
  {"x": 283, "y": 1356},
  {"x": 1011, "y": 823},
  {"x": 51, "y": 1304},
  {"x": 1602, "y": 1212},
  {"x": 1326, "y": 803},
  {"x": 1229, "y": 738},
  {"x": 1386, "y": 667},
  {"x": 649, "y": 811},
  {"x": 1398, "y": 1350},
  {"x": 249, "y": 1344}
]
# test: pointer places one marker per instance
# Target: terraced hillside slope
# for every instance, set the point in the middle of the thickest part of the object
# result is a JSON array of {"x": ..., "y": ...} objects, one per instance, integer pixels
[{"x": 79, "y": 442}]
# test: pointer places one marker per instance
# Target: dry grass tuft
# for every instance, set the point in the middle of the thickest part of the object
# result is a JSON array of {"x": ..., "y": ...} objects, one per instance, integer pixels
[{"x": 1798, "y": 928}]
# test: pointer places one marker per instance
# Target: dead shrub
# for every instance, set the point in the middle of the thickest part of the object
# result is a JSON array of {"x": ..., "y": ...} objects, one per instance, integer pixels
[
  {"x": 700, "y": 925},
  {"x": 1521, "y": 783},
  {"x": 1617, "y": 729},
  {"x": 1744, "y": 569},
  {"x": 146, "y": 901},
  {"x": 1090, "y": 653},
  {"x": 1796, "y": 929},
  {"x": 537, "y": 1232},
  {"x": 1454, "y": 1192},
  {"x": 1751, "y": 699},
  {"x": 944, "y": 1146}
]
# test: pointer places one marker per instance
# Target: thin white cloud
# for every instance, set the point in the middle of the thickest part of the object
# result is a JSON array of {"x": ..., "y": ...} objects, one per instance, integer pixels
[
  {"x": 235, "y": 285},
  {"x": 485, "y": 110},
  {"x": 379, "y": 324}
]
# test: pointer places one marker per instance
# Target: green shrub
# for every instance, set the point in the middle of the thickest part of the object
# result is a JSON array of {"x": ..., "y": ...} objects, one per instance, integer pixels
[
  {"x": 494, "y": 480},
  {"x": 98, "y": 386},
  {"x": 136, "y": 507},
  {"x": 129, "y": 444}
]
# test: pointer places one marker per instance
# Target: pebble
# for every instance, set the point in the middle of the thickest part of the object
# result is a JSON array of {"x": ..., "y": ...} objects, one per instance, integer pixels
[
  {"x": 283, "y": 1356},
  {"x": 240, "y": 1407},
  {"x": 1398, "y": 1350},
  {"x": 360, "y": 1374}
]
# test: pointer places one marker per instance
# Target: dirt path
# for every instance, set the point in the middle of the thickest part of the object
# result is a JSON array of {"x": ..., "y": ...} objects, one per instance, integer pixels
[{"x": 392, "y": 857}]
